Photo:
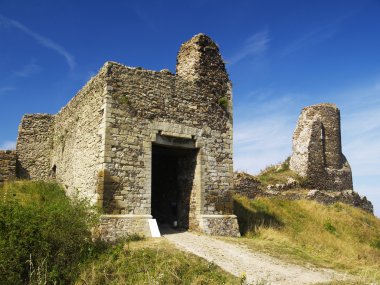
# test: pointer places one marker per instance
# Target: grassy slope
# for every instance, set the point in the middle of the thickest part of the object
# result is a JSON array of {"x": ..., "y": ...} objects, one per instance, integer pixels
[
  {"x": 278, "y": 174},
  {"x": 337, "y": 236},
  {"x": 151, "y": 261}
]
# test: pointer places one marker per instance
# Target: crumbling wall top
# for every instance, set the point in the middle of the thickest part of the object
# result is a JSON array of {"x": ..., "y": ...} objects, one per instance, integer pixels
[
  {"x": 199, "y": 60},
  {"x": 321, "y": 106}
]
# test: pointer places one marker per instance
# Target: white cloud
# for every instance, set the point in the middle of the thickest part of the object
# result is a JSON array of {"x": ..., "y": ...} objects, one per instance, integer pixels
[
  {"x": 315, "y": 36},
  {"x": 6, "y": 89},
  {"x": 312, "y": 38},
  {"x": 6, "y": 22},
  {"x": 361, "y": 129},
  {"x": 146, "y": 18},
  {"x": 27, "y": 70},
  {"x": 255, "y": 45},
  {"x": 263, "y": 132},
  {"x": 7, "y": 145}
]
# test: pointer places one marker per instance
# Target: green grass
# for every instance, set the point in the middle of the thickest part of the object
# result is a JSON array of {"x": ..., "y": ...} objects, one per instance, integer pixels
[
  {"x": 337, "y": 236},
  {"x": 151, "y": 261},
  {"x": 43, "y": 234},
  {"x": 278, "y": 174}
]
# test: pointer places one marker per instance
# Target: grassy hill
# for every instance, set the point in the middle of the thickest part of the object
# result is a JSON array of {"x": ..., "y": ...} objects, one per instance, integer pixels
[
  {"x": 45, "y": 238},
  {"x": 337, "y": 236}
]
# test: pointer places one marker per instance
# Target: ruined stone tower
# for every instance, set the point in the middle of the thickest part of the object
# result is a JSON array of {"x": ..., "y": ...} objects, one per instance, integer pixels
[
  {"x": 143, "y": 144},
  {"x": 317, "y": 149}
]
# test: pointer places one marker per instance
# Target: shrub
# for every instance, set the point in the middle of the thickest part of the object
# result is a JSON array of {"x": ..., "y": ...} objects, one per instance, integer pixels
[
  {"x": 223, "y": 102},
  {"x": 43, "y": 234},
  {"x": 329, "y": 227}
]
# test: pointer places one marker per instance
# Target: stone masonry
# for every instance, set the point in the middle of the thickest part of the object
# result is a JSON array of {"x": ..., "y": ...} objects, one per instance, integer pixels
[
  {"x": 8, "y": 159},
  {"x": 317, "y": 149},
  {"x": 34, "y": 146},
  {"x": 125, "y": 125}
]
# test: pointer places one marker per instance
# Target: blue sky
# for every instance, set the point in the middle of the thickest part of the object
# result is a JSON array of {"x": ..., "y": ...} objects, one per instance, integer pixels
[{"x": 282, "y": 55}]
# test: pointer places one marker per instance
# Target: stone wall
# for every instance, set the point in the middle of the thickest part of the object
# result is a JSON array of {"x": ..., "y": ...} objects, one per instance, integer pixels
[
  {"x": 8, "y": 160},
  {"x": 317, "y": 150},
  {"x": 219, "y": 225},
  {"x": 117, "y": 226},
  {"x": 34, "y": 146},
  {"x": 78, "y": 139},
  {"x": 246, "y": 185},
  {"x": 141, "y": 104}
]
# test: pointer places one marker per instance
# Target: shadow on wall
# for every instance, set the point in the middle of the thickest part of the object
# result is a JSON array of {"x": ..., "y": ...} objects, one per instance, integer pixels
[
  {"x": 252, "y": 215},
  {"x": 21, "y": 172}
]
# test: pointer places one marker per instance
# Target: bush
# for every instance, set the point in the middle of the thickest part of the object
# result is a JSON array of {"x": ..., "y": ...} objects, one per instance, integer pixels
[
  {"x": 223, "y": 102},
  {"x": 44, "y": 236}
]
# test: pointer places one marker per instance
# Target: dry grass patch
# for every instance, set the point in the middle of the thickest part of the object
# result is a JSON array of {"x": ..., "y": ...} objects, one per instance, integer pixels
[
  {"x": 151, "y": 261},
  {"x": 336, "y": 236}
]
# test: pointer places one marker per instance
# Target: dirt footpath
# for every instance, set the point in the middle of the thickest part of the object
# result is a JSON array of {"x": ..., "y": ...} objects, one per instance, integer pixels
[{"x": 257, "y": 267}]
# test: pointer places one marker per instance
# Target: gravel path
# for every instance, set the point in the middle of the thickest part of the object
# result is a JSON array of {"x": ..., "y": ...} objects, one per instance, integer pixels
[{"x": 239, "y": 260}]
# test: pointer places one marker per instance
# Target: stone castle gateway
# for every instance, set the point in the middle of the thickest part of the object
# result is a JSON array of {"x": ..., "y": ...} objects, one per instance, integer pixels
[{"x": 144, "y": 144}]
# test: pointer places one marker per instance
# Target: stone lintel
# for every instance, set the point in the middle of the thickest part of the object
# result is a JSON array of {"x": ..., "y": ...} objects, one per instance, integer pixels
[{"x": 175, "y": 141}]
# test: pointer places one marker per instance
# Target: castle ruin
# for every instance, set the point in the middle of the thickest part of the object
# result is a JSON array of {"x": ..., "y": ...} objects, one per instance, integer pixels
[
  {"x": 146, "y": 145},
  {"x": 143, "y": 144},
  {"x": 317, "y": 149},
  {"x": 318, "y": 160}
]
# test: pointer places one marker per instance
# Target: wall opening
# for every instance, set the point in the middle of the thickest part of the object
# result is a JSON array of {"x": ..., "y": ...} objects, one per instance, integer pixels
[
  {"x": 323, "y": 143},
  {"x": 53, "y": 172},
  {"x": 173, "y": 178}
]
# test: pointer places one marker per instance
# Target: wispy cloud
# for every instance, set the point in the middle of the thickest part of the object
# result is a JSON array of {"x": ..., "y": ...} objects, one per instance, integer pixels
[
  {"x": 255, "y": 45},
  {"x": 147, "y": 19},
  {"x": 263, "y": 131},
  {"x": 361, "y": 129},
  {"x": 315, "y": 36},
  {"x": 27, "y": 70},
  {"x": 6, "y": 22},
  {"x": 6, "y": 89},
  {"x": 7, "y": 145}
]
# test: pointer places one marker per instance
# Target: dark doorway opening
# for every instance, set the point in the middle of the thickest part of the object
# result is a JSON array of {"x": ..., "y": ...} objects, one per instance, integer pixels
[{"x": 173, "y": 172}]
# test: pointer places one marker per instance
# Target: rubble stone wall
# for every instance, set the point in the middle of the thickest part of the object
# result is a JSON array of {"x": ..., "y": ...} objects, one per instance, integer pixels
[
  {"x": 78, "y": 138},
  {"x": 34, "y": 146},
  {"x": 8, "y": 160},
  {"x": 246, "y": 185},
  {"x": 317, "y": 149}
]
